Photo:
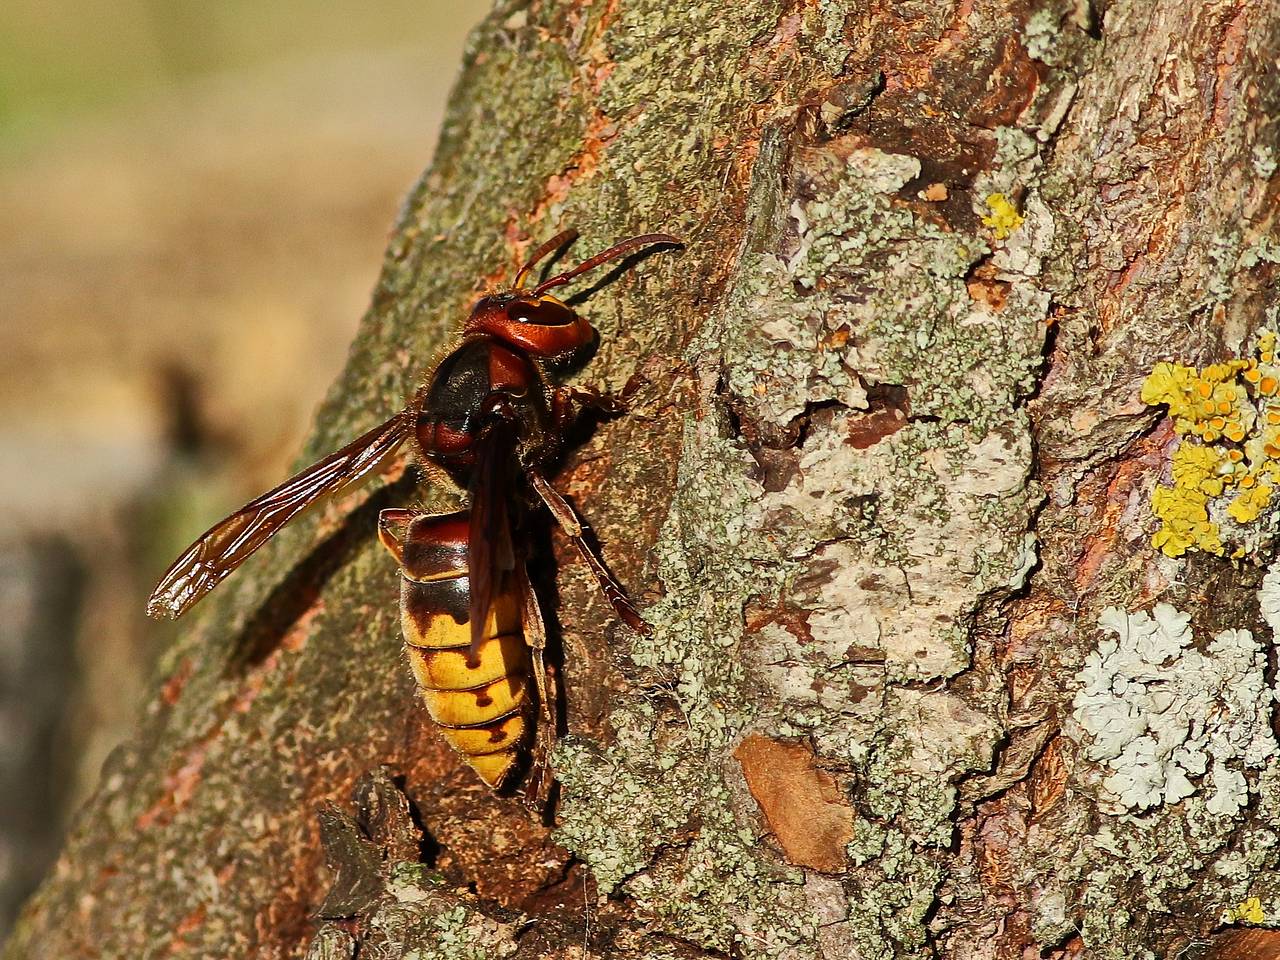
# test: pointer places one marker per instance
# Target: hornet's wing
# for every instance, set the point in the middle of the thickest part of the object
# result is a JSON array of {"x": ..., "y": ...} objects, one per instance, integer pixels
[
  {"x": 490, "y": 552},
  {"x": 230, "y": 542}
]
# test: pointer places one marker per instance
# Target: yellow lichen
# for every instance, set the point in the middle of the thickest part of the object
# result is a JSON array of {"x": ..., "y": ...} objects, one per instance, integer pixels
[
  {"x": 1196, "y": 468},
  {"x": 1004, "y": 217},
  {"x": 1248, "y": 910},
  {"x": 1184, "y": 522},
  {"x": 1247, "y": 507},
  {"x": 1230, "y": 447},
  {"x": 1174, "y": 386}
]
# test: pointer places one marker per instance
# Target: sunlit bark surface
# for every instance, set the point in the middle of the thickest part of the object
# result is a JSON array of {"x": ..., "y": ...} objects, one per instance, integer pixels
[{"x": 886, "y": 484}]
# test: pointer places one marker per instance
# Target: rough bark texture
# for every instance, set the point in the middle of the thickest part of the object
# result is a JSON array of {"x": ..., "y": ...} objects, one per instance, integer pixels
[{"x": 888, "y": 469}]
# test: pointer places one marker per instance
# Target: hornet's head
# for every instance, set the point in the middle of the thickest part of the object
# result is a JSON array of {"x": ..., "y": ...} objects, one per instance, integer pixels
[
  {"x": 535, "y": 321},
  {"x": 542, "y": 326}
]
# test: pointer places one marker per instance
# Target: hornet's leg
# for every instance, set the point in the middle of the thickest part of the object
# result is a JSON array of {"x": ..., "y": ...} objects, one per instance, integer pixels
[
  {"x": 568, "y": 520},
  {"x": 535, "y": 635},
  {"x": 566, "y": 402},
  {"x": 388, "y": 520}
]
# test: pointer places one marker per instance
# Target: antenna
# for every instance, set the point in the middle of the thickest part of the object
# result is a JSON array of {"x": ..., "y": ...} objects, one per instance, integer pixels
[
  {"x": 617, "y": 250},
  {"x": 555, "y": 243}
]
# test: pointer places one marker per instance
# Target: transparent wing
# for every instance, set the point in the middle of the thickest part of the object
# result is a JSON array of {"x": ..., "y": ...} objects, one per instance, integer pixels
[{"x": 230, "y": 542}]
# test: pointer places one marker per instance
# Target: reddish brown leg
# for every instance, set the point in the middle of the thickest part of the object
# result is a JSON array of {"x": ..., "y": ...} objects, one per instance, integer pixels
[
  {"x": 567, "y": 401},
  {"x": 535, "y": 635},
  {"x": 568, "y": 520},
  {"x": 393, "y": 541}
]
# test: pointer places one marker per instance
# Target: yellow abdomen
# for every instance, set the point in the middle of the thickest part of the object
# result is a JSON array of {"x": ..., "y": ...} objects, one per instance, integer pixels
[{"x": 481, "y": 702}]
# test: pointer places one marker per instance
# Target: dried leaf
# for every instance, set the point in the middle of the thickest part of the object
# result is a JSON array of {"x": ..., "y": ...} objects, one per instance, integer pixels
[{"x": 804, "y": 806}]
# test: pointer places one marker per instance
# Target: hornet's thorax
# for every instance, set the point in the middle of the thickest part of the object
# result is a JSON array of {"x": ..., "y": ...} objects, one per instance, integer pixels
[{"x": 496, "y": 374}]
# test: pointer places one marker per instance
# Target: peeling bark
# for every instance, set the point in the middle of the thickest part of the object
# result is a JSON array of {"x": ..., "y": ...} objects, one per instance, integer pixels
[{"x": 888, "y": 469}]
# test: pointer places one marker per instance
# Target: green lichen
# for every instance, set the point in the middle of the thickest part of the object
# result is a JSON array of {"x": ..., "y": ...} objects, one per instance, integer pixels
[
  {"x": 890, "y": 906},
  {"x": 1151, "y": 866},
  {"x": 697, "y": 629},
  {"x": 695, "y": 72},
  {"x": 792, "y": 356},
  {"x": 1224, "y": 253},
  {"x": 1041, "y": 36},
  {"x": 626, "y": 821},
  {"x": 435, "y": 930},
  {"x": 824, "y": 26},
  {"x": 722, "y": 893},
  {"x": 1264, "y": 249},
  {"x": 1155, "y": 864},
  {"x": 1016, "y": 151},
  {"x": 916, "y": 324},
  {"x": 1263, "y": 161},
  {"x": 658, "y": 786},
  {"x": 331, "y": 943},
  {"x": 412, "y": 882}
]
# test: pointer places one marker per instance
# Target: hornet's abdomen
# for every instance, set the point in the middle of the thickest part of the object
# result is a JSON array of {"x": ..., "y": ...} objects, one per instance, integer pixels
[{"x": 481, "y": 702}]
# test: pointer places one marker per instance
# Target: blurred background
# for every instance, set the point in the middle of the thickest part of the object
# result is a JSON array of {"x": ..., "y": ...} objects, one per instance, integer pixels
[{"x": 194, "y": 199}]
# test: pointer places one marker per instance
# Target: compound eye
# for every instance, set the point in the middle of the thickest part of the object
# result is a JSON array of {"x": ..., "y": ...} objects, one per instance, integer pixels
[{"x": 544, "y": 312}]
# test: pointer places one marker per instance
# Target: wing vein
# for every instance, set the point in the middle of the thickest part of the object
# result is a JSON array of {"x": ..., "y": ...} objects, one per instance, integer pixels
[{"x": 228, "y": 543}]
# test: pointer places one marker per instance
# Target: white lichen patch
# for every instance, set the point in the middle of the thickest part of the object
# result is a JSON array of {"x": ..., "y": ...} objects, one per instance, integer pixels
[
  {"x": 1269, "y": 600},
  {"x": 904, "y": 564},
  {"x": 794, "y": 357},
  {"x": 1169, "y": 720},
  {"x": 937, "y": 738}
]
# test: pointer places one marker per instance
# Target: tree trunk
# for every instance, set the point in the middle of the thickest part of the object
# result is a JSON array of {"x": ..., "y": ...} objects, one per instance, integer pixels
[{"x": 888, "y": 481}]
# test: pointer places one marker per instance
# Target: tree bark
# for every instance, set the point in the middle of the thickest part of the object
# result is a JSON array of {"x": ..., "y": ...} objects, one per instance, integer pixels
[{"x": 888, "y": 469}]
